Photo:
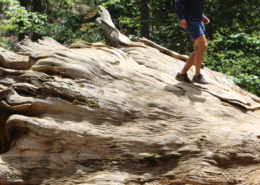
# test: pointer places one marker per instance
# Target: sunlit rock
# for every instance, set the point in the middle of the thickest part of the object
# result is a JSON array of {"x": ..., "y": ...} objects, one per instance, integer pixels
[{"x": 112, "y": 115}]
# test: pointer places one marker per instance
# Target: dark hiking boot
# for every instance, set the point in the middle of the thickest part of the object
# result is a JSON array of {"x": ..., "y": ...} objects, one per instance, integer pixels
[
  {"x": 199, "y": 79},
  {"x": 183, "y": 78}
]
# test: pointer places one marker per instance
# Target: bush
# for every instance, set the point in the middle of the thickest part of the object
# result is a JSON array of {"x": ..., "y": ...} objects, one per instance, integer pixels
[
  {"x": 7, "y": 43},
  {"x": 250, "y": 83},
  {"x": 237, "y": 55},
  {"x": 71, "y": 28},
  {"x": 31, "y": 21},
  {"x": 8, "y": 29}
]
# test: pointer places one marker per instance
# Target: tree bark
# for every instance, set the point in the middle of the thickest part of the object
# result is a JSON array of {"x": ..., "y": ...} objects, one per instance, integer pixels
[
  {"x": 144, "y": 17},
  {"x": 36, "y": 6},
  {"x": 23, "y": 3}
]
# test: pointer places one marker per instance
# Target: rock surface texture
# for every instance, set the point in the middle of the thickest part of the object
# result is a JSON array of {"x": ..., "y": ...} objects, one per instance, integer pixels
[{"x": 114, "y": 115}]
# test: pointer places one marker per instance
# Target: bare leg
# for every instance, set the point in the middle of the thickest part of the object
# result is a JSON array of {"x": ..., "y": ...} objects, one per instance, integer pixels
[
  {"x": 190, "y": 62},
  {"x": 196, "y": 57},
  {"x": 201, "y": 43}
]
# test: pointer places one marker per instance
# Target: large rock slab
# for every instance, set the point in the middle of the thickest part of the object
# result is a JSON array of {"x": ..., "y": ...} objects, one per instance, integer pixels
[{"x": 112, "y": 115}]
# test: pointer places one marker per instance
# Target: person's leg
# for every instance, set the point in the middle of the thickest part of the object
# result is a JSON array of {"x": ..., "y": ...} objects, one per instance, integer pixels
[
  {"x": 190, "y": 62},
  {"x": 202, "y": 45},
  {"x": 196, "y": 31},
  {"x": 182, "y": 76}
]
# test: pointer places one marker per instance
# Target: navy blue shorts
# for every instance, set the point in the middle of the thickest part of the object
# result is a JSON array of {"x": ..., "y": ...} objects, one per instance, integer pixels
[{"x": 195, "y": 29}]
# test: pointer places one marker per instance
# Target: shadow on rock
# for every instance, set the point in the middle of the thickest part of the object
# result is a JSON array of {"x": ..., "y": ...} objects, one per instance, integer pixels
[{"x": 192, "y": 91}]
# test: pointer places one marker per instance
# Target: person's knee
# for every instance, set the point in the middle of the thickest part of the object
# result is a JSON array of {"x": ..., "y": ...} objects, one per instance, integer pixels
[
  {"x": 201, "y": 43},
  {"x": 203, "y": 46}
]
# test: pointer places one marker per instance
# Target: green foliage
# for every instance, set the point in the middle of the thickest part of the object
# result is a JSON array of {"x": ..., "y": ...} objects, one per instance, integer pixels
[
  {"x": 6, "y": 43},
  {"x": 232, "y": 16},
  {"x": 163, "y": 22},
  {"x": 235, "y": 55},
  {"x": 8, "y": 29},
  {"x": 238, "y": 57},
  {"x": 233, "y": 34},
  {"x": 92, "y": 34},
  {"x": 250, "y": 83},
  {"x": 234, "y": 47},
  {"x": 62, "y": 24},
  {"x": 89, "y": 2},
  {"x": 125, "y": 15},
  {"x": 32, "y": 21},
  {"x": 71, "y": 28},
  {"x": 6, "y": 35}
]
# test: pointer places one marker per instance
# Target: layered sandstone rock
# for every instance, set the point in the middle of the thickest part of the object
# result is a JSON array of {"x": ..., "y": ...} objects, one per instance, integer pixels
[{"x": 112, "y": 115}]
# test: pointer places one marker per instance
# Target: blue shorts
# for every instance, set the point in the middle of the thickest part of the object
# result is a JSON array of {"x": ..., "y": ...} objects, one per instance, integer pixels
[{"x": 195, "y": 29}]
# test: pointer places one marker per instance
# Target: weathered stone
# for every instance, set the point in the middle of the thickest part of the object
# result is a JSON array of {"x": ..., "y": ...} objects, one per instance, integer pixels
[{"x": 96, "y": 114}]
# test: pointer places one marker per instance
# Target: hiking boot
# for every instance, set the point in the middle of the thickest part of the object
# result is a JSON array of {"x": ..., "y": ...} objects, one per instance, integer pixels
[
  {"x": 183, "y": 78},
  {"x": 199, "y": 79}
]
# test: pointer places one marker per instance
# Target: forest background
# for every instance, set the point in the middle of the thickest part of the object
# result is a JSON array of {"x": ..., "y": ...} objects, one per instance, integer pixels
[{"x": 233, "y": 33}]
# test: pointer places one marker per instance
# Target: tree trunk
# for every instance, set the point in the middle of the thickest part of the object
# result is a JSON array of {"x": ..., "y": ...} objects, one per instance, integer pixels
[
  {"x": 23, "y": 3},
  {"x": 21, "y": 35},
  {"x": 46, "y": 8},
  {"x": 36, "y": 6},
  {"x": 144, "y": 17}
]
